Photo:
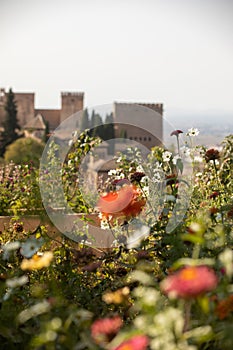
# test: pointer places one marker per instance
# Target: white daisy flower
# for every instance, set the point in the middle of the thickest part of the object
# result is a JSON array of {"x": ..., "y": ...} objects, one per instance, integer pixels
[
  {"x": 193, "y": 132},
  {"x": 166, "y": 156}
]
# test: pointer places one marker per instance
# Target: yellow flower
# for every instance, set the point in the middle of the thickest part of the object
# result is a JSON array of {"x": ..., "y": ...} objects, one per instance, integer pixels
[{"x": 37, "y": 262}]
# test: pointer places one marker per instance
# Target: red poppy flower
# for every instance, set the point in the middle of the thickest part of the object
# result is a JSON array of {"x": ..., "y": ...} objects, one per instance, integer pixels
[
  {"x": 176, "y": 132},
  {"x": 190, "y": 282},
  {"x": 128, "y": 201},
  {"x": 138, "y": 342}
]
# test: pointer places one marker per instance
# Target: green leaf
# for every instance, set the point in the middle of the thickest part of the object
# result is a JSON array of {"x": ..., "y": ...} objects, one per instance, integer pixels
[
  {"x": 192, "y": 238},
  {"x": 180, "y": 165}
]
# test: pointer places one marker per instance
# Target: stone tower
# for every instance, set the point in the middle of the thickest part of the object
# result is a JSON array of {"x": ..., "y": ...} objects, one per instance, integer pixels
[
  {"x": 139, "y": 122},
  {"x": 71, "y": 102}
]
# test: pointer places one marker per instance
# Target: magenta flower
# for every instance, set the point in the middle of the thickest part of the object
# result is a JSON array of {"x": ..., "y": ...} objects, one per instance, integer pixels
[
  {"x": 138, "y": 342},
  {"x": 176, "y": 132},
  {"x": 190, "y": 282}
]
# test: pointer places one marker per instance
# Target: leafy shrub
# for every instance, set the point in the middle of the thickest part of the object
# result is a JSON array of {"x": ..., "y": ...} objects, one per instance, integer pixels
[{"x": 24, "y": 150}]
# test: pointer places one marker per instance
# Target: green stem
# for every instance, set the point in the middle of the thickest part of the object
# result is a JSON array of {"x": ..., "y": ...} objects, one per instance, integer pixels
[
  {"x": 187, "y": 314},
  {"x": 219, "y": 184},
  {"x": 178, "y": 144},
  {"x": 196, "y": 251}
]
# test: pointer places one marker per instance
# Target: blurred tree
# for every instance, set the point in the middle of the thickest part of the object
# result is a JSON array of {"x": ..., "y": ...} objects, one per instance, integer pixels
[
  {"x": 97, "y": 127},
  {"x": 10, "y": 124},
  {"x": 24, "y": 150},
  {"x": 85, "y": 124},
  {"x": 46, "y": 132},
  {"x": 109, "y": 132}
]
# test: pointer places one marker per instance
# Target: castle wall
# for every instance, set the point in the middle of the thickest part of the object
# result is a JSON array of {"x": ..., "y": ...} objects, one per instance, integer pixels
[{"x": 52, "y": 116}]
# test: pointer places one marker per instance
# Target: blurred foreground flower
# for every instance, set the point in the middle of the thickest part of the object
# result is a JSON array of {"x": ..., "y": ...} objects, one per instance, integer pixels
[
  {"x": 138, "y": 342},
  {"x": 37, "y": 262},
  {"x": 104, "y": 330},
  {"x": 189, "y": 282},
  {"x": 126, "y": 202}
]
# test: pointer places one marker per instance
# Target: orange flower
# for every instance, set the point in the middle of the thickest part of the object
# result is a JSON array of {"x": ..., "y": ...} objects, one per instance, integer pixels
[
  {"x": 225, "y": 307},
  {"x": 126, "y": 202},
  {"x": 190, "y": 282}
]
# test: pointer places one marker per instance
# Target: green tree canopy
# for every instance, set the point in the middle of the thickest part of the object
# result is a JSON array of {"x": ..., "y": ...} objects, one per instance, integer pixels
[
  {"x": 10, "y": 124},
  {"x": 24, "y": 150}
]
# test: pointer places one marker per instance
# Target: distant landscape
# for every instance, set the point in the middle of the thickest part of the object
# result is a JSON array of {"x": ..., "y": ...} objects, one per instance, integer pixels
[{"x": 213, "y": 127}]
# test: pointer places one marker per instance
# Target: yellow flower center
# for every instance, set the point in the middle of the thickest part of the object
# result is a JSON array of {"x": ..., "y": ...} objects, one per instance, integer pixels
[{"x": 126, "y": 347}]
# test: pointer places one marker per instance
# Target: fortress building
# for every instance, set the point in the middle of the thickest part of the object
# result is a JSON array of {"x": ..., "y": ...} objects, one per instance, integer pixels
[
  {"x": 71, "y": 102},
  {"x": 139, "y": 122}
]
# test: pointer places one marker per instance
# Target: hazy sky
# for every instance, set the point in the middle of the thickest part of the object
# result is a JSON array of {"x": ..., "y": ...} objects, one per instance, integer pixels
[{"x": 179, "y": 52}]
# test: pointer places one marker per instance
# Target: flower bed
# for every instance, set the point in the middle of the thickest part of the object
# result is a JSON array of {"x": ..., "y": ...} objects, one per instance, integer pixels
[{"x": 165, "y": 282}]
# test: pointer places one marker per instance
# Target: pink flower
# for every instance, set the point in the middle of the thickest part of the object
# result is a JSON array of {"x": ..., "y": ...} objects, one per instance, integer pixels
[
  {"x": 104, "y": 330},
  {"x": 138, "y": 342},
  {"x": 190, "y": 282},
  {"x": 176, "y": 132}
]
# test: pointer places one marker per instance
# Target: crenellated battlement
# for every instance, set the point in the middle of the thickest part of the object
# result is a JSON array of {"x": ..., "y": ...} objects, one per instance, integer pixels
[{"x": 72, "y": 94}]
